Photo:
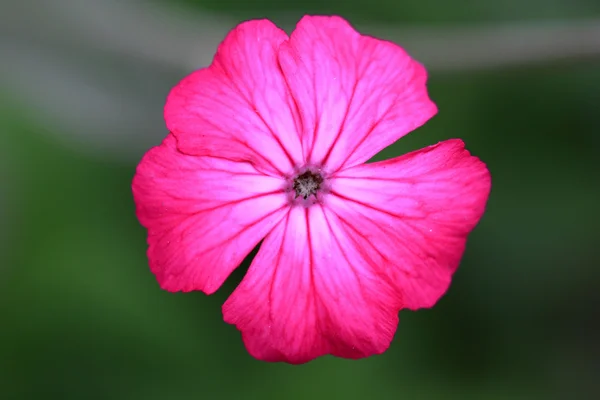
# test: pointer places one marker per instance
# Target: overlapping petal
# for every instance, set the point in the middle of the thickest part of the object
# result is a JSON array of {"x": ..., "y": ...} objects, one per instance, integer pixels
[
  {"x": 410, "y": 216},
  {"x": 239, "y": 108},
  {"x": 203, "y": 215},
  {"x": 307, "y": 294},
  {"x": 355, "y": 94}
]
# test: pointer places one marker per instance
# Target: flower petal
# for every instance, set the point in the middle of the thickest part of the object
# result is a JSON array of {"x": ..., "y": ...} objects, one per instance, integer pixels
[
  {"x": 236, "y": 108},
  {"x": 307, "y": 294},
  {"x": 411, "y": 215},
  {"x": 203, "y": 215},
  {"x": 356, "y": 94}
]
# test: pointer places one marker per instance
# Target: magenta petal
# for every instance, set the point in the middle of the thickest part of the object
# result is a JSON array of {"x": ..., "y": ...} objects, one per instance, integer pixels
[
  {"x": 307, "y": 294},
  {"x": 411, "y": 215},
  {"x": 203, "y": 215},
  {"x": 356, "y": 94},
  {"x": 239, "y": 108}
]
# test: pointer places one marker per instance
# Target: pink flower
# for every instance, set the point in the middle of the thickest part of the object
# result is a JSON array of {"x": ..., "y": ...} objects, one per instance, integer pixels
[{"x": 270, "y": 143}]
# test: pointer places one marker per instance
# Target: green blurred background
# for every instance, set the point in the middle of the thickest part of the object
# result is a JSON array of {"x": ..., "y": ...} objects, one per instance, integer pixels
[{"x": 81, "y": 316}]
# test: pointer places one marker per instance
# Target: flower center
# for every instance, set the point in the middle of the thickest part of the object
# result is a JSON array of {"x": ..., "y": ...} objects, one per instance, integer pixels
[{"x": 307, "y": 184}]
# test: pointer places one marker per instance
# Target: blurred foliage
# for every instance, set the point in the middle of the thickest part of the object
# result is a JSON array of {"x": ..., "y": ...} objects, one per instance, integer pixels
[
  {"x": 395, "y": 11},
  {"x": 81, "y": 316}
]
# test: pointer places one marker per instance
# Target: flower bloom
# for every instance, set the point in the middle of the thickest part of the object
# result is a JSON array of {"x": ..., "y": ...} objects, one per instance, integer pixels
[{"x": 269, "y": 143}]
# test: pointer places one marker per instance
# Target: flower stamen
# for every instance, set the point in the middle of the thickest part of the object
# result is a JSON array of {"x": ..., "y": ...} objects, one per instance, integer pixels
[{"x": 307, "y": 184}]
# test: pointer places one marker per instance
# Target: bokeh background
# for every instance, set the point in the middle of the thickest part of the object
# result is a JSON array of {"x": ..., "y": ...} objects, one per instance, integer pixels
[{"x": 82, "y": 86}]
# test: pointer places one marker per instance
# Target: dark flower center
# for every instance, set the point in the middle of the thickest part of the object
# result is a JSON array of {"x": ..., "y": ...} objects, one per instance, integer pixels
[{"x": 307, "y": 184}]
